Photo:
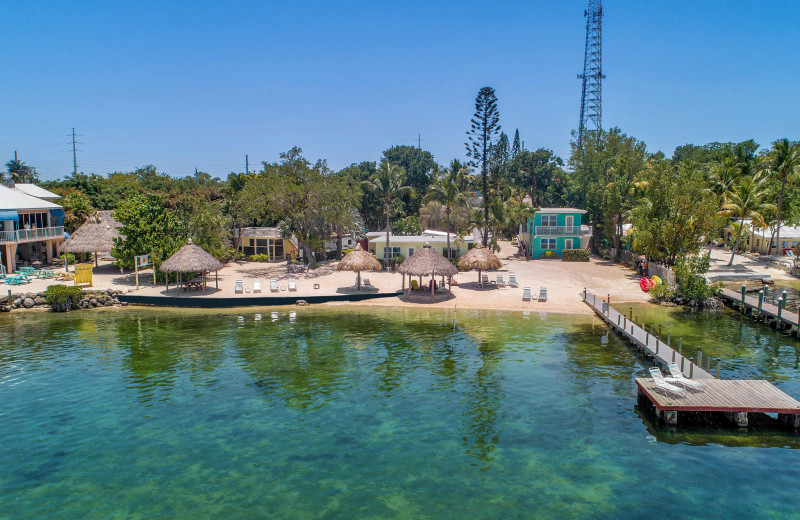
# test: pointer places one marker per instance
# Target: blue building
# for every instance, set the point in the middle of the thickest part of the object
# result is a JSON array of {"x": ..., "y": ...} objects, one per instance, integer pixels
[{"x": 551, "y": 230}]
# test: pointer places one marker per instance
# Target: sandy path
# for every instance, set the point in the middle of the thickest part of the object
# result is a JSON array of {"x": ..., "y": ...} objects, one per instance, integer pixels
[{"x": 564, "y": 282}]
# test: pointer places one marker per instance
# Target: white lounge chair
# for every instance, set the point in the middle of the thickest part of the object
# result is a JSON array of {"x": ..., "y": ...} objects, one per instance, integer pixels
[
  {"x": 662, "y": 384},
  {"x": 292, "y": 284},
  {"x": 526, "y": 294},
  {"x": 484, "y": 280},
  {"x": 677, "y": 377},
  {"x": 512, "y": 280},
  {"x": 273, "y": 285},
  {"x": 367, "y": 283},
  {"x": 239, "y": 287},
  {"x": 542, "y": 294},
  {"x": 500, "y": 281},
  {"x": 256, "y": 286}
]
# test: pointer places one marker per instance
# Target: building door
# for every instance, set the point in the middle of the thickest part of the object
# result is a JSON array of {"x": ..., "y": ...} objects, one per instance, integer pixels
[
  {"x": 411, "y": 252},
  {"x": 569, "y": 222},
  {"x": 568, "y": 243}
]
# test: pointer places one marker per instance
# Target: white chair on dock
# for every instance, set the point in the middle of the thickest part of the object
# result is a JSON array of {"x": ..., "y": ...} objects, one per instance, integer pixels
[
  {"x": 273, "y": 285},
  {"x": 292, "y": 284},
  {"x": 239, "y": 287},
  {"x": 256, "y": 285},
  {"x": 677, "y": 377},
  {"x": 542, "y": 294},
  {"x": 512, "y": 280},
  {"x": 526, "y": 294},
  {"x": 662, "y": 384},
  {"x": 500, "y": 281}
]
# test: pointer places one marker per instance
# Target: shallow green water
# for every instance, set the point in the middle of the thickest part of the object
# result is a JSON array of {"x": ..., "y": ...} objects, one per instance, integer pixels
[{"x": 356, "y": 414}]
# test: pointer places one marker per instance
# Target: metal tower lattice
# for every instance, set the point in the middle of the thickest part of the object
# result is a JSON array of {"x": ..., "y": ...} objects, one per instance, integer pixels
[{"x": 591, "y": 94}]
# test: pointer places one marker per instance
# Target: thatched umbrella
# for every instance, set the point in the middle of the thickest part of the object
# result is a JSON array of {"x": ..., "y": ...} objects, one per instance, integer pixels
[
  {"x": 95, "y": 235},
  {"x": 190, "y": 259},
  {"x": 426, "y": 262},
  {"x": 479, "y": 258},
  {"x": 359, "y": 260}
]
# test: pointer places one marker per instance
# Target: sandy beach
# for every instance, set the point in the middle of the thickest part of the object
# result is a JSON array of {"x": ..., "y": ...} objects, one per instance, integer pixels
[{"x": 564, "y": 282}]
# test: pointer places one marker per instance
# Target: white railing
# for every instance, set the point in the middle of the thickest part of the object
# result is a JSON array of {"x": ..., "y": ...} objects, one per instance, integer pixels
[
  {"x": 558, "y": 230},
  {"x": 26, "y": 235},
  {"x": 8, "y": 236}
]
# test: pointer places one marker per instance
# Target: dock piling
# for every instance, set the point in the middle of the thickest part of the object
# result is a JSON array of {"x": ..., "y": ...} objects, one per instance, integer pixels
[
  {"x": 744, "y": 291},
  {"x": 760, "y": 301},
  {"x": 780, "y": 309},
  {"x": 691, "y": 368},
  {"x": 699, "y": 357},
  {"x": 718, "y": 363}
]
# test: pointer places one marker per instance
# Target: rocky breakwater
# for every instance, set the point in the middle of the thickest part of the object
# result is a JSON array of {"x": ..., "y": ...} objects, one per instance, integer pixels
[{"x": 90, "y": 299}]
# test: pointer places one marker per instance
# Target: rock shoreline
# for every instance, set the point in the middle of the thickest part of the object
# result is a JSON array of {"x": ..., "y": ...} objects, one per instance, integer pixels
[{"x": 91, "y": 299}]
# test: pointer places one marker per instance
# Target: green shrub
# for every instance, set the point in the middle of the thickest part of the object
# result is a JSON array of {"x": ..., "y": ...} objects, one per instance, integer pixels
[
  {"x": 662, "y": 292},
  {"x": 575, "y": 255},
  {"x": 258, "y": 258},
  {"x": 690, "y": 280},
  {"x": 63, "y": 298},
  {"x": 397, "y": 260}
]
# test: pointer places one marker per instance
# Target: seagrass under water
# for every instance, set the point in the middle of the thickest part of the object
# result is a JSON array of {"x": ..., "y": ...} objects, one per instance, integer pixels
[{"x": 362, "y": 413}]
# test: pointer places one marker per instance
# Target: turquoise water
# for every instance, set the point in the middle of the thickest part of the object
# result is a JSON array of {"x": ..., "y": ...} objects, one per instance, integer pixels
[{"x": 356, "y": 413}]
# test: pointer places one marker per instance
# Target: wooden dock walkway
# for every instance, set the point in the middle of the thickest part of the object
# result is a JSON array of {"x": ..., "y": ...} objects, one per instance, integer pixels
[
  {"x": 649, "y": 343},
  {"x": 782, "y": 318},
  {"x": 736, "y": 398}
]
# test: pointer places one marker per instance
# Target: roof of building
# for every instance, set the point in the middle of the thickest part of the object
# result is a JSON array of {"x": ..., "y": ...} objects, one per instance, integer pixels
[
  {"x": 561, "y": 210},
  {"x": 17, "y": 200},
  {"x": 786, "y": 231},
  {"x": 420, "y": 238},
  {"x": 36, "y": 191}
]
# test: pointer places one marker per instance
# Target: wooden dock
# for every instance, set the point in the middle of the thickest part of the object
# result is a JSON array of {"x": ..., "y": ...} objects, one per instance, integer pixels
[
  {"x": 781, "y": 318},
  {"x": 648, "y": 343},
  {"x": 735, "y": 398}
]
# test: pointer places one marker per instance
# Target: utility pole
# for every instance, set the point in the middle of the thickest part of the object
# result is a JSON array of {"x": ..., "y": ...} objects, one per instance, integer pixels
[
  {"x": 74, "y": 155},
  {"x": 195, "y": 174},
  {"x": 247, "y": 164},
  {"x": 419, "y": 141},
  {"x": 15, "y": 155}
]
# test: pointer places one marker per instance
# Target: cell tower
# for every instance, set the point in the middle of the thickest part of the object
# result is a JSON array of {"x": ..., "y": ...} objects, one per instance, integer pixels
[{"x": 591, "y": 94}]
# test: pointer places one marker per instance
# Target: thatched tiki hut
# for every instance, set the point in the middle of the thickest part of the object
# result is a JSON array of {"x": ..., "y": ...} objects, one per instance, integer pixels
[
  {"x": 95, "y": 235},
  {"x": 359, "y": 260},
  {"x": 190, "y": 259},
  {"x": 479, "y": 258},
  {"x": 427, "y": 262}
]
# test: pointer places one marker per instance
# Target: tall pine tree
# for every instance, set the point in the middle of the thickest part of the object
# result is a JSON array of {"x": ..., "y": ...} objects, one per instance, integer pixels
[
  {"x": 485, "y": 125},
  {"x": 516, "y": 147}
]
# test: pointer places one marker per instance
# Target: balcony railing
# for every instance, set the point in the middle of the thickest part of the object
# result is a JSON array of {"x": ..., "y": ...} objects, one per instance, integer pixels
[
  {"x": 563, "y": 231},
  {"x": 29, "y": 235}
]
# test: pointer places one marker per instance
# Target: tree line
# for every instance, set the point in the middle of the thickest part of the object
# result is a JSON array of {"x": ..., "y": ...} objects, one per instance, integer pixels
[{"x": 675, "y": 204}]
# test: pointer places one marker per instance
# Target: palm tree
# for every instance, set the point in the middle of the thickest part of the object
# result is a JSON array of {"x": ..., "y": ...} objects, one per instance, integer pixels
[
  {"x": 723, "y": 176},
  {"x": 20, "y": 171},
  {"x": 444, "y": 189},
  {"x": 784, "y": 165},
  {"x": 746, "y": 200},
  {"x": 389, "y": 182}
]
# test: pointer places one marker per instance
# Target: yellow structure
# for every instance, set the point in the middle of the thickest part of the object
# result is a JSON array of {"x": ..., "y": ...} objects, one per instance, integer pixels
[{"x": 83, "y": 274}]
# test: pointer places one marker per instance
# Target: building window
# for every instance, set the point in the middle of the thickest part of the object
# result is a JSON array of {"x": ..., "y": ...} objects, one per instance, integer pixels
[
  {"x": 411, "y": 252},
  {"x": 549, "y": 244},
  {"x": 549, "y": 220},
  {"x": 393, "y": 251}
]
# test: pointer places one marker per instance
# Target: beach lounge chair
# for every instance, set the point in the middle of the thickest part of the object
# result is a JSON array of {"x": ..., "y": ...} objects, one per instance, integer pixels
[
  {"x": 677, "y": 377},
  {"x": 500, "y": 281},
  {"x": 484, "y": 280},
  {"x": 273, "y": 285},
  {"x": 662, "y": 384},
  {"x": 526, "y": 294},
  {"x": 542, "y": 294},
  {"x": 239, "y": 287},
  {"x": 512, "y": 280},
  {"x": 367, "y": 283},
  {"x": 292, "y": 284},
  {"x": 256, "y": 285}
]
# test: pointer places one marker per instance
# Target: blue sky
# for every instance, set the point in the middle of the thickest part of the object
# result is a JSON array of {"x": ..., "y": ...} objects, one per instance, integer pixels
[{"x": 200, "y": 84}]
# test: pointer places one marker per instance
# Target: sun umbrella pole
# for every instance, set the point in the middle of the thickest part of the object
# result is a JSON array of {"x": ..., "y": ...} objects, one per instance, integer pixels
[
  {"x": 433, "y": 285},
  {"x": 216, "y": 279},
  {"x": 358, "y": 280}
]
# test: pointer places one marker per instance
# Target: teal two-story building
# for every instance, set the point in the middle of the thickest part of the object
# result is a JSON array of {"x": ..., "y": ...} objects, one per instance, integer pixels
[{"x": 551, "y": 230}]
